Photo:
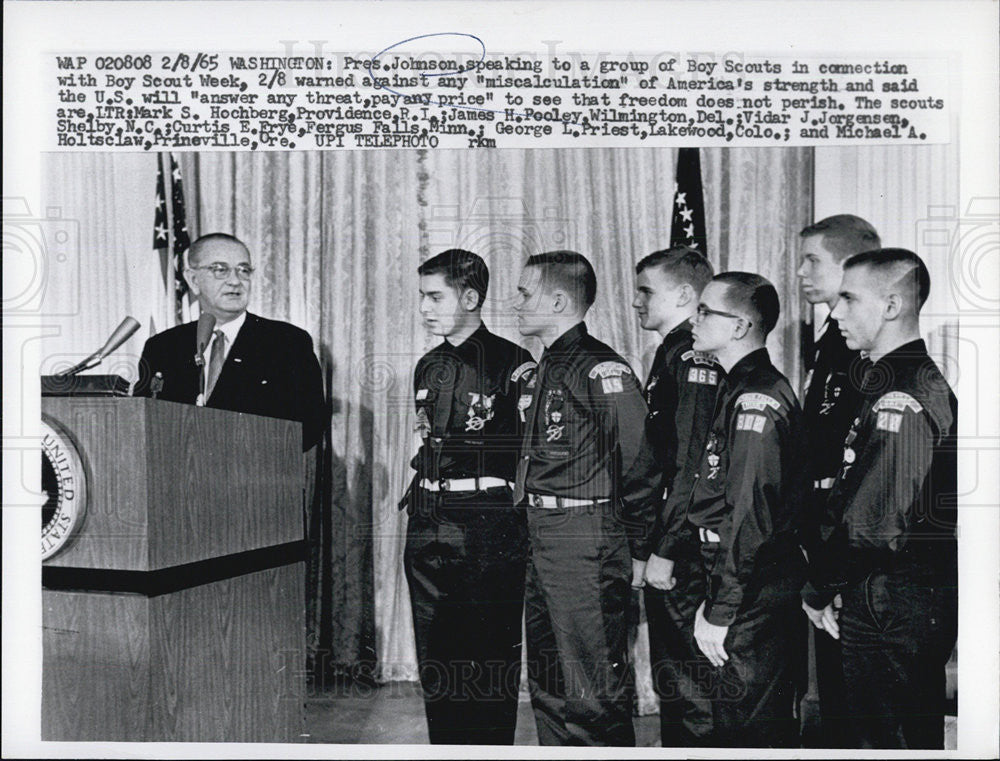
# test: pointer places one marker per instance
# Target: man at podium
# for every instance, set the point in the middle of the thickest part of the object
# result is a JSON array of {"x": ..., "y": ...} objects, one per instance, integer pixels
[{"x": 249, "y": 363}]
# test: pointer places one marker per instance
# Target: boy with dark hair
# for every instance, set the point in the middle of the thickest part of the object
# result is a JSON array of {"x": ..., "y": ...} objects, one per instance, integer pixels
[
  {"x": 831, "y": 399},
  {"x": 680, "y": 393},
  {"x": 466, "y": 541},
  {"x": 744, "y": 508},
  {"x": 592, "y": 488},
  {"x": 888, "y": 545}
]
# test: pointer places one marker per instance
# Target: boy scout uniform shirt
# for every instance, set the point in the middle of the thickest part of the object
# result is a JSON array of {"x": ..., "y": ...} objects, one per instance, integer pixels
[
  {"x": 585, "y": 435},
  {"x": 895, "y": 497},
  {"x": 680, "y": 393},
  {"x": 466, "y": 398},
  {"x": 832, "y": 399},
  {"x": 749, "y": 484}
]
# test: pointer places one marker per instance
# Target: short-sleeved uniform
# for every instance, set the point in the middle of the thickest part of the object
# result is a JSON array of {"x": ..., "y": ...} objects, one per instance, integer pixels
[
  {"x": 680, "y": 393},
  {"x": 745, "y": 506},
  {"x": 888, "y": 547},
  {"x": 831, "y": 400},
  {"x": 592, "y": 489},
  {"x": 466, "y": 543}
]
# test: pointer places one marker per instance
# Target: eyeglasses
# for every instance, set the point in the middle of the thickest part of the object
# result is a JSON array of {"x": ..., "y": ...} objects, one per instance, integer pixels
[
  {"x": 222, "y": 271},
  {"x": 704, "y": 311}
]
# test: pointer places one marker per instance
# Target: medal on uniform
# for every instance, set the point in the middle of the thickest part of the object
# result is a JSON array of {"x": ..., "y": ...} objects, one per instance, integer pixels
[
  {"x": 423, "y": 426},
  {"x": 522, "y": 405},
  {"x": 653, "y": 380},
  {"x": 480, "y": 411},
  {"x": 713, "y": 458},
  {"x": 553, "y": 415}
]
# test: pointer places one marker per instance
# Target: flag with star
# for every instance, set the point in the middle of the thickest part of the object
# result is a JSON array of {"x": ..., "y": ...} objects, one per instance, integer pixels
[
  {"x": 181, "y": 239},
  {"x": 687, "y": 227},
  {"x": 170, "y": 234}
]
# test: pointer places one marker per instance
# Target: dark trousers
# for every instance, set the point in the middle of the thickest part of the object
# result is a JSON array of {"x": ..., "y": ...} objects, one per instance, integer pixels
[
  {"x": 679, "y": 672},
  {"x": 753, "y": 694},
  {"x": 897, "y": 631},
  {"x": 835, "y": 726},
  {"x": 464, "y": 561},
  {"x": 576, "y": 603}
]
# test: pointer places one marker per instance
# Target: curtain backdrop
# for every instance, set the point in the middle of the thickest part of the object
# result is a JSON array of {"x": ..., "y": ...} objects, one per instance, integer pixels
[
  {"x": 910, "y": 194},
  {"x": 337, "y": 237}
]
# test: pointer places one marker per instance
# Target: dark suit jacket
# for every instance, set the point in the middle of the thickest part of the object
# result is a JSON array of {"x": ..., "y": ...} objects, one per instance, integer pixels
[{"x": 270, "y": 370}]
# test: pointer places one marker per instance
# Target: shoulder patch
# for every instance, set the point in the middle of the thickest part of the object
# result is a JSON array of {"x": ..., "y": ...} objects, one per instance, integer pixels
[
  {"x": 609, "y": 370},
  {"x": 889, "y": 421},
  {"x": 522, "y": 370},
  {"x": 757, "y": 401},
  {"x": 698, "y": 357},
  {"x": 703, "y": 375},
  {"x": 898, "y": 401},
  {"x": 749, "y": 422},
  {"x": 612, "y": 385}
]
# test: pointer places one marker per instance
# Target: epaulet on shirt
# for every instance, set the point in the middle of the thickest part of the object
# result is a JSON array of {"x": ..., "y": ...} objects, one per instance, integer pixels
[
  {"x": 610, "y": 374},
  {"x": 698, "y": 357},
  {"x": 522, "y": 370}
]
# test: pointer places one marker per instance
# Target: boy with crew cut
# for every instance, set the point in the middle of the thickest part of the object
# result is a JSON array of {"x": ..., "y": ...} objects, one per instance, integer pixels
[
  {"x": 745, "y": 508},
  {"x": 680, "y": 393},
  {"x": 592, "y": 490},
  {"x": 887, "y": 541},
  {"x": 830, "y": 401}
]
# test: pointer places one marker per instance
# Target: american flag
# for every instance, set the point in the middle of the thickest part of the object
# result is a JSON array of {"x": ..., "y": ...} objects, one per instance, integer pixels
[
  {"x": 688, "y": 224},
  {"x": 170, "y": 233}
]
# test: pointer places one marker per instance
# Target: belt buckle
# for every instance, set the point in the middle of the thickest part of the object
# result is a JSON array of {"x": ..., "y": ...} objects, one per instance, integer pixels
[
  {"x": 442, "y": 484},
  {"x": 537, "y": 501}
]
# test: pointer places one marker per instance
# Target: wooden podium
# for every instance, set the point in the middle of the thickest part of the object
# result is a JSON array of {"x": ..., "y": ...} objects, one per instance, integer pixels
[{"x": 176, "y": 613}]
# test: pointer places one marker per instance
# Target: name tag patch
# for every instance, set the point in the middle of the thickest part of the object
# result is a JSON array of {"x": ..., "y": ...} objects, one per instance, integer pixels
[
  {"x": 747, "y": 422},
  {"x": 521, "y": 370},
  {"x": 757, "y": 401},
  {"x": 699, "y": 357},
  {"x": 889, "y": 421},
  {"x": 898, "y": 401},
  {"x": 609, "y": 370},
  {"x": 703, "y": 375}
]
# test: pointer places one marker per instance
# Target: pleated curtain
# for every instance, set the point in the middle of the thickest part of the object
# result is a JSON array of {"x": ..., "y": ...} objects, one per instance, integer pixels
[{"x": 336, "y": 238}]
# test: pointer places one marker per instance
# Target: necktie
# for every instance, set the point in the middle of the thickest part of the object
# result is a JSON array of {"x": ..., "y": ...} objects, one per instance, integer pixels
[
  {"x": 215, "y": 362},
  {"x": 529, "y": 432},
  {"x": 447, "y": 376},
  {"x": 659, "y": 359}
]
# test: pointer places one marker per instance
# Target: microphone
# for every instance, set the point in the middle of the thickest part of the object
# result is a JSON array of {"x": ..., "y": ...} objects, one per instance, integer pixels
[{"x": 122, "y": 333}]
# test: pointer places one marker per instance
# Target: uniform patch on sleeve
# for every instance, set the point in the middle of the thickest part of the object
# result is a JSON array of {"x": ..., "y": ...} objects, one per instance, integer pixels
[
  {"x": 522, "y": 370},
  {"x": 703, "y": 375},
  {"x": 898, "y": 401},
  {"x": 612, "y": 385},
  {"x": 421, "y": 394},
  {"x": 889, "y": 421},
  {"x": 610, "y": 370},
  {"x": 698, "y": 357},
  {"x": 750, "y": 422},
  {"x": 757, "y": 401}
]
